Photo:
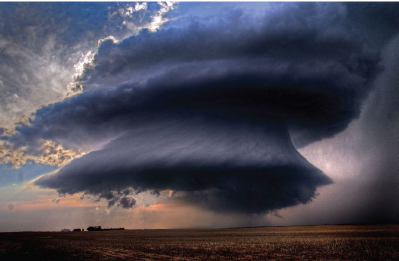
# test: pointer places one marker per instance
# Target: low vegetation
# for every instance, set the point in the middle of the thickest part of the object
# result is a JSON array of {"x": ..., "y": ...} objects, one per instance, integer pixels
[{"x": 376, "y": 242}]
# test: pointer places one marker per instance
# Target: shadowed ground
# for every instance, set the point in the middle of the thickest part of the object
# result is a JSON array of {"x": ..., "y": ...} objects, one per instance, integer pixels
[{"x": 374, "y": 242}]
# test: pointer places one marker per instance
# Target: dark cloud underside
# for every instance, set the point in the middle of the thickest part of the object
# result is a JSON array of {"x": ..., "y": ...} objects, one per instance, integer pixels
[{"x": 233, "y": 166}]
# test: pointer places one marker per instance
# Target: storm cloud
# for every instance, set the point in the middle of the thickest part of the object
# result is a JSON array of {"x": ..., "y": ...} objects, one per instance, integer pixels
[
  {"x": 209, "y": 110},
  {"x": 231, "y": 166}
]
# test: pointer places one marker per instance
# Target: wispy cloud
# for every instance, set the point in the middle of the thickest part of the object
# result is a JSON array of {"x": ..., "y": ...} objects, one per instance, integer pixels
[{"x": 43, "y": 55}]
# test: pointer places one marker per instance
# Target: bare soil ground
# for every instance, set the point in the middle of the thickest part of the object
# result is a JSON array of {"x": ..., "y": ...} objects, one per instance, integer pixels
[{"x": 374, "y": 242}]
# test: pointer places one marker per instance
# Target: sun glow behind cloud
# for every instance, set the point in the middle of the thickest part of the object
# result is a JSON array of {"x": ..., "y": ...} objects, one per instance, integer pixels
[{"x": 51, "y": 154}]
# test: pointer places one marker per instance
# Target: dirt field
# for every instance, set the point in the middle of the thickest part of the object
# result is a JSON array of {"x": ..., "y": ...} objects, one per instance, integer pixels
[{"x": 269, "y": 243}]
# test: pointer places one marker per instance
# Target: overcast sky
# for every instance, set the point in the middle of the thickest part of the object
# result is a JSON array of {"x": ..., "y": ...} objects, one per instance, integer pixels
[{"x": 165, "y": 115}]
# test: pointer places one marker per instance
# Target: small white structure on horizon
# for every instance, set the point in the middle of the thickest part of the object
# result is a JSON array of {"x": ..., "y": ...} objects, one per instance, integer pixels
[{"x": 65, "y": 230}]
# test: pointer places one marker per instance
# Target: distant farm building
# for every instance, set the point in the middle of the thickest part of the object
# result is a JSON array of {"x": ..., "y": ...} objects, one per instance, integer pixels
[
  {"x": 95, "y": 228},
  {"x": 65, "y": 230}
]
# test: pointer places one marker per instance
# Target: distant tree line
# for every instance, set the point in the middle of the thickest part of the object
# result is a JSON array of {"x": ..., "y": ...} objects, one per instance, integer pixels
[{"x": 98, "y": 228}]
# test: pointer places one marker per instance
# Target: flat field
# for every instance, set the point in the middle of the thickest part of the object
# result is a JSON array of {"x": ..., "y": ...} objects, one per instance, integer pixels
[{"x": 374, "y": 242}]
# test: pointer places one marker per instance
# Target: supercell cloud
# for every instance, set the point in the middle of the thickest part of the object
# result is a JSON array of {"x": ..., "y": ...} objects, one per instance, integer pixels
[{"x": 210, "y": 109}]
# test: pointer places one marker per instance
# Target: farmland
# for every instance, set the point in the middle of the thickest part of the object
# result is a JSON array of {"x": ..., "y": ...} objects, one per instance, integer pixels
[{"x": 346, "y": 242}]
